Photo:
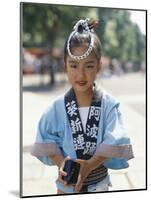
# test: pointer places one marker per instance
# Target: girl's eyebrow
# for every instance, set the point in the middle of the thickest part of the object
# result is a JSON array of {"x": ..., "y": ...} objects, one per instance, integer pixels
[
  {"x": 90, "y": 62},
  {"x": 87, "y": 62}
]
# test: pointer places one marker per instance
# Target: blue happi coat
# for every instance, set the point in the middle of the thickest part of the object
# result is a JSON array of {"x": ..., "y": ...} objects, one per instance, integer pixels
[{"x": 54, "y": 134}]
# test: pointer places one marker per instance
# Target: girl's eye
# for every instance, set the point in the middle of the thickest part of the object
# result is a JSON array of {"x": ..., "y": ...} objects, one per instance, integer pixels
[
  {"x": 73, "y": 66},
  {"x": 89, "y": 66}
]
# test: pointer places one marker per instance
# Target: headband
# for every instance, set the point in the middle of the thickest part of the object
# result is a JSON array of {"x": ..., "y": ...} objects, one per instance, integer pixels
[{"x": 85, "y": 26}]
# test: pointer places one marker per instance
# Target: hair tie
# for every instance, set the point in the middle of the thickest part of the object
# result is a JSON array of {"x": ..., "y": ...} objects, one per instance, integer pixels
[{"x": 79, "y": 27}]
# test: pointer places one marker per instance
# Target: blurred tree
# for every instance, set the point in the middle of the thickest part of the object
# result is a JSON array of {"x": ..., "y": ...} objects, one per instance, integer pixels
[
  {"x": 121, "y": 38},
  {"x": 43, "y": 24}
]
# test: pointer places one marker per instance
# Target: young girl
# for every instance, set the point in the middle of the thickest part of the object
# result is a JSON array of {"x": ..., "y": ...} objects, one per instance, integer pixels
[{"x": 85, "y": 124}]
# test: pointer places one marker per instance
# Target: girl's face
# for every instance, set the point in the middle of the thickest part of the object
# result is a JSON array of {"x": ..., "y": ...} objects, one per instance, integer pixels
[{"x": 82, "y": 73}]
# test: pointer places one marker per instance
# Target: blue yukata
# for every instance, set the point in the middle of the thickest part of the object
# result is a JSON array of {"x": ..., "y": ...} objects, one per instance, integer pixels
[{"x": 55, "y": 136}]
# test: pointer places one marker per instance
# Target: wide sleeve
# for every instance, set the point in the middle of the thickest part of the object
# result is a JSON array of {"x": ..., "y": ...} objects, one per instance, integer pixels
[
  {"x": 115, "y": 144},
  {"x": 48, "y": 139}
]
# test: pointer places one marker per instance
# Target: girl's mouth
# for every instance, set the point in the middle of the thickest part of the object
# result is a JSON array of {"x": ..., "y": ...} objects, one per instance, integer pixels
[{"x": 81, "y": 83}]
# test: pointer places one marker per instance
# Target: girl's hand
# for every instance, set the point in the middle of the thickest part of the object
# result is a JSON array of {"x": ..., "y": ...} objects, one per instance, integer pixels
[
  {"x": 63, "y": 173},
  {"x": 86, "y": 166},
  {"x": 85, "y": 169}
]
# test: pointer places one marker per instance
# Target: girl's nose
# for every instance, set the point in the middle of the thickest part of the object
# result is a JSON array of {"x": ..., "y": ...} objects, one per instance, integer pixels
[{"x": 81, "y": 73}]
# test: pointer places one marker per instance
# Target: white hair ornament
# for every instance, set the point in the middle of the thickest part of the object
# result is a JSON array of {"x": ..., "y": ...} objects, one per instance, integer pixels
[{"x": 84, "y": 24}]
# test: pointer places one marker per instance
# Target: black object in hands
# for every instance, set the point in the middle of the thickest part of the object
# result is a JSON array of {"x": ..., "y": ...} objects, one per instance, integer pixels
[{"x": 72, "y": 169}]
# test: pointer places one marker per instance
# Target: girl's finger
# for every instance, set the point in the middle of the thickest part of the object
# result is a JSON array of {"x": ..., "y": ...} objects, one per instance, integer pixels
[
  {"x": 62, "y": 181},
  {"x": 80, "y": 180},
  {"x": 78, "y": 184},
  {"x": 79, "y": 161},
  {"x": 62, "y": 173}
]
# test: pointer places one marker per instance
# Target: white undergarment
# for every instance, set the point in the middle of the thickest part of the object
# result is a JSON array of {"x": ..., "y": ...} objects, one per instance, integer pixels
[{"x": 84, "y": 115}]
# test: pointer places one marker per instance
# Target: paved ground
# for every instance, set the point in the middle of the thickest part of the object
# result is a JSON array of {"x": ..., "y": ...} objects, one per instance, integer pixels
[{"x": 129, "y": 89}]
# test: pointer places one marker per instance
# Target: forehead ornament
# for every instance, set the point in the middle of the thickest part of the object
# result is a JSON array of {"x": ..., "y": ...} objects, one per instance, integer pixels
[{"x": 84, "y": 25}]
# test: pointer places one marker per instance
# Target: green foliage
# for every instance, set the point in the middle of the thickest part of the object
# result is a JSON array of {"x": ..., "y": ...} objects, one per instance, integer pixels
[
  {"x": 121, "y": 38},
  {"x": 43, "y": 24}
]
